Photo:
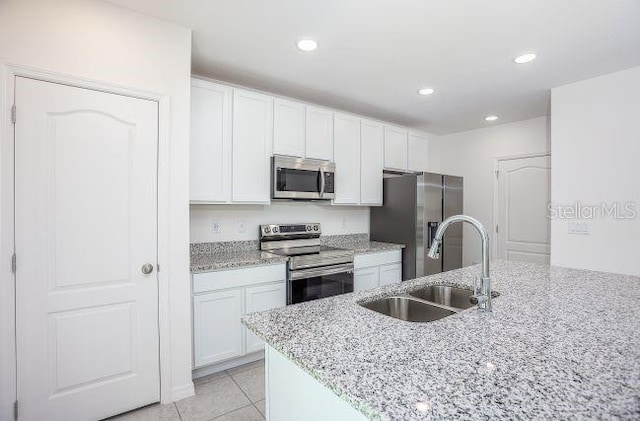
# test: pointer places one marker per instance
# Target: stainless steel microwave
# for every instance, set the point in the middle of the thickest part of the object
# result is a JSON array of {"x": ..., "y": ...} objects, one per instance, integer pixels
[{"x": 302, "y": 179}]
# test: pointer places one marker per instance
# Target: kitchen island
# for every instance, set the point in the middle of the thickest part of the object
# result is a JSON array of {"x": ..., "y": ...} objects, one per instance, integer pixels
[{"x": 560, "y": 343}]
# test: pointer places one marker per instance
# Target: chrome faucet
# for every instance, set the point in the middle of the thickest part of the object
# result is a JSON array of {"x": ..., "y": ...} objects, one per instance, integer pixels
[{"x": 482, "y": 294}]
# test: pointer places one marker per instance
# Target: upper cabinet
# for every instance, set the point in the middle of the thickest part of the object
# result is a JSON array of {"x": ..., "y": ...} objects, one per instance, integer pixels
[
  {"x": 395, "y": 148},
  {"x": 288, "y": 128},
  {"x": 418, "y": 152},
  {"x": 252, "y": 136},
  {"x": 346, "y": 136},
  {"x": 371, "y": 162},
  {"x": 319, "y": 136},
  {"x": 210, "y": 176}
]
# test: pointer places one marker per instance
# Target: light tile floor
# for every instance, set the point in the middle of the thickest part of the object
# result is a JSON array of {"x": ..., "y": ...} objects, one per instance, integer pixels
[{"x": 232, "y": 395}]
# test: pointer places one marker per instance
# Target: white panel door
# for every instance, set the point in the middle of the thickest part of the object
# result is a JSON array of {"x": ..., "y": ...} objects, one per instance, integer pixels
[
  {"x": 390, "y": 274},
  {"x": 288, "y": 128},
  {"x": 346, "y": 149},
  {"x": 210, "y": 145},
  {"x": 417, "y": 159},
  {"x": 523, "y": 195},
  {"x": 395, "y": 148},
  {"x": 86, "y": 205},
  {"x": 319, "y": 140},
  {"x": 252, "y": 134},
  {"x": 260, "y": 298},
  {"x": 364, "y": 279},
  {"x": 217, "y": 330},
  {"x": 371, "y": 163}
]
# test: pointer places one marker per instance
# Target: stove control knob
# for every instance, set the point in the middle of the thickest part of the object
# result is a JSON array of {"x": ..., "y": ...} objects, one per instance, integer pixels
[
  {"x": 315, "y": 228},
  {"x": 308, "y": 227},
  {"x": 275, "y": 229},
  {"x": 267, "y": 230}
]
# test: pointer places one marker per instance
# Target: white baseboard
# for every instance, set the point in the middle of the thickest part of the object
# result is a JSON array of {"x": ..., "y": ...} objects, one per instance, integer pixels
[
  {"x": 183, "y": 391},
  {"x": 226, "y": 365}
]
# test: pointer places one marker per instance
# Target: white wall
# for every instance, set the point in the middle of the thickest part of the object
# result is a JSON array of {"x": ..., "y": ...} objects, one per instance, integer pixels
[
  {"x": 104, "y": 43},
  {"x": 596, "y": 159},
  {"x": 472, "y": 155},
  {"x": 334, "y": 219}
]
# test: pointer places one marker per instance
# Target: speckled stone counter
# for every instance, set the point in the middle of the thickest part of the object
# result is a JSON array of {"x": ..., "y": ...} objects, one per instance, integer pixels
[
  {"x": 207, "y": 262},
  {"x": 359, "y": 243},
  {"x": 560, "y": 344}
]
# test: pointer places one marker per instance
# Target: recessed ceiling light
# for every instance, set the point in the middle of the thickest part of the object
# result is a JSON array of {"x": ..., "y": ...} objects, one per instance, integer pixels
[
  {"x": 307, "y": 45},
  {"x": 426, "y": 91},
  {"x": 491, "y": 118},
  {"x": 524, "y": 58}
]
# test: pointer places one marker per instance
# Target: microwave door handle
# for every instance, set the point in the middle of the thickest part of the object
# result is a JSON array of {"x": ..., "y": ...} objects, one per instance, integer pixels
[{"x": 322, "y": 182}]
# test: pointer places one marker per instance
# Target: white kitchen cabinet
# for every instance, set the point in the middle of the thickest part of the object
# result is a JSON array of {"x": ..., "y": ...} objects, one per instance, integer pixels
[
  {"x": 371, "y": 162},
  {"x": 252, "y": 136},
  {"x": 417, "y": 152},
  {"x": 395, "y": 148},
  {"x": 220, "y": 299},
  {"x": 390, "y": 274},
  {"x": 210, "y": 150},
  {"x": 288, "y": 128},
  {"x": 346, "y": 149},
  {"x": 364, "y": 279},
  {"x": 217, "y": 331},
  {"x": 372, "y": 270},
  {"x": 260, "y": 298},
  {"x": 319, "y": 134}
]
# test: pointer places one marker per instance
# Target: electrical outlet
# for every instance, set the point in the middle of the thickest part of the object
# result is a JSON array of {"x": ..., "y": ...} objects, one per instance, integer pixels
[
  {"x": 241, "y": 227},
  {"x": 216, "y": 228}
]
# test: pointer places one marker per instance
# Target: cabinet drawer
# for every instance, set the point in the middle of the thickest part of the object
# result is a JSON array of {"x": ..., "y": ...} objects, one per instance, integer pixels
[
  {"x": 234, "y": 278},
  {"x": 377, "y": 259}
]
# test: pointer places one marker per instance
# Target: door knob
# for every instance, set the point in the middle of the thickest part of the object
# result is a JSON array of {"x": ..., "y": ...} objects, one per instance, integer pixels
[{"x": 147, "y": 268}]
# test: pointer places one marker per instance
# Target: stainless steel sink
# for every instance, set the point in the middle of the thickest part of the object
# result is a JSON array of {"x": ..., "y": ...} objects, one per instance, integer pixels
[
  {"x": 445, "y": 295},
  {"x": 408, "y": 309}
]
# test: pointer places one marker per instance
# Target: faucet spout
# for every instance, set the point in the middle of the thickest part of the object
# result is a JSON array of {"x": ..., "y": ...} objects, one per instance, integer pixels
[{"x": 483, "y": 296}]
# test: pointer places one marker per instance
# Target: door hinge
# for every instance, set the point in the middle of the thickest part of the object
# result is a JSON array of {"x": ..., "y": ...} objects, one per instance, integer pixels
[
  {"x": 15, "y": 411},
  {"x": 13, "y": 263},
  {"x": 497, "y": 173},
  {"x": 13, "y": 113},
  {"x": 497, "y": 229},
  {"x": 158, "y": 267}
]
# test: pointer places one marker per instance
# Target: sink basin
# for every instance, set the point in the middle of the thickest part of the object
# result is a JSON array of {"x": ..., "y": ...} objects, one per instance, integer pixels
[
  {"x": 445, "y": 295},
  {"x": 408, "y": 309}
]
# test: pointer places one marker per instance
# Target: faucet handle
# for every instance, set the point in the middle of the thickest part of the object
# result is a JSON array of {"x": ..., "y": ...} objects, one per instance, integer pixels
[{"x": 476, "y": 288}]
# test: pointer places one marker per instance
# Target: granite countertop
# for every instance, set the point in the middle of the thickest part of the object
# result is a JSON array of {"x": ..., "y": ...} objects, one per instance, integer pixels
[
  {"x": 560, "y": 344},
  {"x": 371, "y": 246},
  {"x": 207, "y": 262}
]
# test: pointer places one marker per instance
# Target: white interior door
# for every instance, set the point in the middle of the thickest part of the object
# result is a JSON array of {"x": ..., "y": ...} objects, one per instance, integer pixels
[
  {"x": 523, "y": 195},
  {"x": 86, "y": 205}
]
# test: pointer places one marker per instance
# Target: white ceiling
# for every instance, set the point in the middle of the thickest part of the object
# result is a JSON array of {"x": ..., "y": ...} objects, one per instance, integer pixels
[{"x": 375, "y": 54}]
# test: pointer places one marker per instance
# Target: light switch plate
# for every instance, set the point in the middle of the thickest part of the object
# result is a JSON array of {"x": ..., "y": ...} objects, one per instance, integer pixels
[{"x": 242, "y": 227}]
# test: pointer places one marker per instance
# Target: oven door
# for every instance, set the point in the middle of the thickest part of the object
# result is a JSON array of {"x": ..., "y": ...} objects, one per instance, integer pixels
[
  {"x": 326, "y": 281},
  {"x": 295, "y": 178}
]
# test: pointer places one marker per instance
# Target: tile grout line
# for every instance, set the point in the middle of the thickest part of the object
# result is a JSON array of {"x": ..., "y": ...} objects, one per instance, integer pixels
[
  {"x": 250, "y": 400},
  {"x": 177, "y": 410}
]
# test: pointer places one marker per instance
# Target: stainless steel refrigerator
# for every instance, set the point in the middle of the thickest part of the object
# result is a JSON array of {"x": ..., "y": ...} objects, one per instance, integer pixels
[{"x": 413, "y": 207}]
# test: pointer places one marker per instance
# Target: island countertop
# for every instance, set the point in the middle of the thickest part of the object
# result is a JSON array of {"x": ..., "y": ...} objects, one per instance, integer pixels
[{"x": 560, "y": 343}]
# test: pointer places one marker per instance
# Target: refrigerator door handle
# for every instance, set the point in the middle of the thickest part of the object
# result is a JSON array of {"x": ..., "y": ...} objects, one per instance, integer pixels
[{"x": 432, "y": 227}]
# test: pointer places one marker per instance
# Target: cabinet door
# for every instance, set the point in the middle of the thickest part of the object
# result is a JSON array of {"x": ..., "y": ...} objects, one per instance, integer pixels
[
  {"x": 217, "y": 331},
  {"x": 347, "y": 159},
  {"x": 288, "y": 128},
  {"x": 319, "y": 140},
  {"x": 371, "y": 163},
  {"x": 417, "y": 155},
  {"x": 390, "y": 274},
  {"x": 364, "y": 279},
  {"x": 252, "y": 134},
  {"x": 395, "y": 148},
  {"x": 260, "y": 298},
  {"x": 210, "y": 142}
]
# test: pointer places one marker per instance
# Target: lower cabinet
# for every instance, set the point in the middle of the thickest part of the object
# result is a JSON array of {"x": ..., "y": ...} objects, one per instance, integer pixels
[
  {"x": 218, "y": 333},
  {"x": 372, "y": 270}
]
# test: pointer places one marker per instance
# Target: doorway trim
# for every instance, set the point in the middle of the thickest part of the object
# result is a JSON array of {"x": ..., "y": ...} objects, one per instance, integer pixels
[
  {"x": 496, "y": 166},
  {"x": 8, "y": 73}
]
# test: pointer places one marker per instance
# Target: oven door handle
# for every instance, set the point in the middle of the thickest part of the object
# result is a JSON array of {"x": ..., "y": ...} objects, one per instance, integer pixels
[{"x": 329, "y": 270}]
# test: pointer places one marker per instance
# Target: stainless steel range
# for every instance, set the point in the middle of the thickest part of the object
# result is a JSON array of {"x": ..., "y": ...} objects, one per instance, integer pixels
[{"x": 314, "y": 271}]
